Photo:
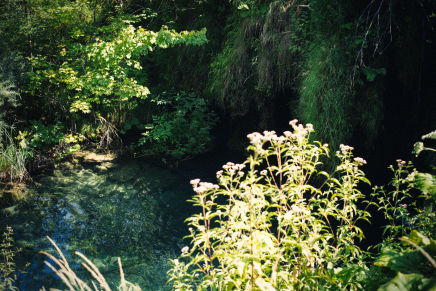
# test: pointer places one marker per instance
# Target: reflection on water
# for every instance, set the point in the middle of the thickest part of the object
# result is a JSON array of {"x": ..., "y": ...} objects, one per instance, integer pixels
[{"x": 132, "y": 210}]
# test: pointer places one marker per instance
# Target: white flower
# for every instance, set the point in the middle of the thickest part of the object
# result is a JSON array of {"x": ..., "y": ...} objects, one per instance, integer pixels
[
  {"x": 280, "y": 139},
  {"x": 255, "y": 138},
  {"x": 288, "y": 133},
  {"x": 345, "y": 149},
  {"x": 360, "y": 161},
  {"x": 240, "y": 166},
  {"x": 309, "y": 127},
  {"x": 269, "y": 135},
  {"x": 400, "y": 163},
  {"x": 232, "y": 168},
  {"x": 288, "y": 215},
  {"x": 204, "y": 187},
  {"x": 294, "y": 168},
  {"x": 293, "y": 123},
  {"x": 185, "y": 249},
  {"x": 194, "y": 182}
]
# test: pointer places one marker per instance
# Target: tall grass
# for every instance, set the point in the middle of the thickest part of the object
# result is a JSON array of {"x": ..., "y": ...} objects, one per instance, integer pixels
[
  {"x": 63, "y": 270},
  {"x": 12, "y": 157}
]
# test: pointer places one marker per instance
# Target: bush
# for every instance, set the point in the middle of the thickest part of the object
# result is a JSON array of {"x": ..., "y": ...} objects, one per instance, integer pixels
[
  {"x": 406, "y": 260},
  {"x": 181, "y": 126},
  {"x": 277, "y": 221}
]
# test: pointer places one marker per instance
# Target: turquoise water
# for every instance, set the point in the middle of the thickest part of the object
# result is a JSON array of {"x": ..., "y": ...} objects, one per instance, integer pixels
[{"x": 133, "y": 210}]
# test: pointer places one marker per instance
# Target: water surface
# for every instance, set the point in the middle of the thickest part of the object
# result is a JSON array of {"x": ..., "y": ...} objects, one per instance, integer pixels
[{"x": 133, "y": 210}]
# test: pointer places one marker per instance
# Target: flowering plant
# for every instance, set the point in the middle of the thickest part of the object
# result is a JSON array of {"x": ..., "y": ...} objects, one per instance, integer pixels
[{"x": 277, "y": 221}]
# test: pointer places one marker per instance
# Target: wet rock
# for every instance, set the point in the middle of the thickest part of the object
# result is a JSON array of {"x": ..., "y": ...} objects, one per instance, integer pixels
[{"x": 91, "y": 157}]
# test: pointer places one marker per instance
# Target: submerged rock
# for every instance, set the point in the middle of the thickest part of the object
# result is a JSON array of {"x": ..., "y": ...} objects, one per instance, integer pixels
[
  {"x": 125, "y": 173},
  {"x": 104, "y": 166}
]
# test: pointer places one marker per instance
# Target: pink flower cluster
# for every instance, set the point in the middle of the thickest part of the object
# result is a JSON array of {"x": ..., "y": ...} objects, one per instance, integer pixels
[
  {"x": 360, "y": 161},
  {"x": 300, "y": 132},
  {"x": 345, "y": 149},
  {"x": 202, "y": 187},
  {"x": 232, "y": 168}
]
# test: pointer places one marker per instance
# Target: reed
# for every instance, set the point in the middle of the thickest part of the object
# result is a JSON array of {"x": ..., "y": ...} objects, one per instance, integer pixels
[{"x": 63, "y": 270}]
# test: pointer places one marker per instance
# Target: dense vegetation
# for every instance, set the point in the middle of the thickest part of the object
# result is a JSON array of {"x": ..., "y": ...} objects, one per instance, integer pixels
[
  {"x": 173, "y": 79},
  {"x": 279, "y": 222}
]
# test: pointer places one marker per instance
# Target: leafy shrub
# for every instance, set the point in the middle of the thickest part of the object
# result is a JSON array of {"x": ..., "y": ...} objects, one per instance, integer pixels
[
  {"x": 48, "y": 137},
  {"x": 401, "y": 203},
  {"x": 408, "y": 204},
  {"x": 41, "y": 135},
  {"x": 181, "y": 126},
  {"x": 277, "y": 221},
  {"x": 414, "y": 268}
]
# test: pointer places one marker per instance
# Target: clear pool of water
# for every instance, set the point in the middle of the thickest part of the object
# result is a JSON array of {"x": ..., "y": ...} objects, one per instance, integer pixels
[{"x": 133, "y": 210}]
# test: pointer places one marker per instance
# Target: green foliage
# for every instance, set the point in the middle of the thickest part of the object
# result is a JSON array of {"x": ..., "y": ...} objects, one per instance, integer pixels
[
  {"x": 402, "y": 207},
  {"x": 272, "y": 226},
  {"x": 44, "y": 136},
  {"x": 13, "y": 158},
  {"x": 102, "y": 73},
  {"x": 338, "y": 97},
  {"x": 392, "y": 200},
  {"x": 7, "y": 261},
  {"x": 231, "y": 75},
  {"x": 259, "y": 60},
  {"x": 372, "y": 73},
  {"x": 109, "y": 64},
  {"x": 408, "y": 203},
  {"x": 10, "y": 71},
  {"x": 326, "y": 96},
  {"x": 8, "y": 95},
  {"x": 101, "y": 80},
  {"x": 408, "y": 282},
  {"x": 181, "y": 126},
  {"x": 419, "y": 147},
  {"x": 415, "y": 268},
  {"x": 85, "y": 61}
]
